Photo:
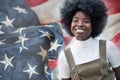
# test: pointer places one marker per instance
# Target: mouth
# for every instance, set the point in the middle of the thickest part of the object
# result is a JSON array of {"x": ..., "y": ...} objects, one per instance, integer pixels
[{"x": 80, "y": 30}]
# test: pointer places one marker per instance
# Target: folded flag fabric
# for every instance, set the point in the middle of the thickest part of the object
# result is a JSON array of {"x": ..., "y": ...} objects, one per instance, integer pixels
[
  {"x": 26, "y": 53},
  {"x": 28, "y": 50}
]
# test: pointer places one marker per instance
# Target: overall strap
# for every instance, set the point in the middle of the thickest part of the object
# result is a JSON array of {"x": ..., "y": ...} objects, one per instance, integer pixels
[
  {"x": 105, "y": 67},
  {"x": 69, "y": 57},
  {"x": 102, "y": 49},
  {"x": 103, "y": 60}
]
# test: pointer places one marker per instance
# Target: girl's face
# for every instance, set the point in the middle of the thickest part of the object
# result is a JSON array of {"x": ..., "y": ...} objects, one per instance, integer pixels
[{"x": 81, "y": 26}]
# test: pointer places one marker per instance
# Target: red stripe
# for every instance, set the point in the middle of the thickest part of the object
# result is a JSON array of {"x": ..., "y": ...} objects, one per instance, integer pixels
[
  {"x": 52, "y": 64},
  {"x": 33, "y": 3},
  {"x": 113, "y": 6},
  {"x": 116, "y": 40},
  {"x": 67, "y": 40}
]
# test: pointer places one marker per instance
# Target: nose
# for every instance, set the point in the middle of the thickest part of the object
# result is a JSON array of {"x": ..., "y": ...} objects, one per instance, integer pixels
[{"x": 80, "y": 23}]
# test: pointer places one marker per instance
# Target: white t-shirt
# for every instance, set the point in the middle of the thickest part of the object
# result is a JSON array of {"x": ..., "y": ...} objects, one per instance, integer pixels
[{"x": 86, "y": 51}]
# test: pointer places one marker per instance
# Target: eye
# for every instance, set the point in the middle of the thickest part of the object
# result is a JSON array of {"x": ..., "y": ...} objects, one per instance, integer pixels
[
  {"x": 86, "y": 21},
  {"x": 75, "y": 20}
]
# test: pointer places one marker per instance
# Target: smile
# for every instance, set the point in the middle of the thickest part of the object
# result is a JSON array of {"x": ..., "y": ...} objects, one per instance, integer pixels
[{"x": 80, "y": 30}]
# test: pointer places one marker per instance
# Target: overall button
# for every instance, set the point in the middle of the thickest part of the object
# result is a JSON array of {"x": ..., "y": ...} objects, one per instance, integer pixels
[{"x": 75, "y": 76}]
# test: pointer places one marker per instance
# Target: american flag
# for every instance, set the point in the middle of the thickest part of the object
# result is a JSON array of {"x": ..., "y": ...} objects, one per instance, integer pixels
[{"x": 28, "y": 50}]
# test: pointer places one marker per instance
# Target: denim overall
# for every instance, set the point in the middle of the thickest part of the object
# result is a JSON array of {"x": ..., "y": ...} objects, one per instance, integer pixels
[{"x": 95, "y": 70}]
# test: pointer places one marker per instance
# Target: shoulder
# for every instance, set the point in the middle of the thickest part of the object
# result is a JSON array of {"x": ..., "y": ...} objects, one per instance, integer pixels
[
  {"x": 62, "y": 55},
  {"x": 110, "y": 45},
  {"x": 111, "y": 48},
  {"x": 113, "y": 54}
]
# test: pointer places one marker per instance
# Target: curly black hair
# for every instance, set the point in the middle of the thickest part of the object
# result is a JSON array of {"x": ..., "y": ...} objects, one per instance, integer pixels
[{"x": 96, "y": 9}]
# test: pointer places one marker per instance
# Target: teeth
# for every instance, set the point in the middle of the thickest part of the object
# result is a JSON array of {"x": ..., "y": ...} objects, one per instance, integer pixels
[{"x": 80, "y": 31}]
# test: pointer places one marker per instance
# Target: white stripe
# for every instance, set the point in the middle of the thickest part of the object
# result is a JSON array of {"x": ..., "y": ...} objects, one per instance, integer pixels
[
  {"x": 49, "y": 11},
  {"x": 112, "y": 28}
]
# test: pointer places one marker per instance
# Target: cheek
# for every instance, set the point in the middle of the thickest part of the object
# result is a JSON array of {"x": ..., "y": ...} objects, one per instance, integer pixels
[
  {"x": 90, "y": 29},
  {"x": 89, "y": 26},
  {"x": 72, "y": 28}
]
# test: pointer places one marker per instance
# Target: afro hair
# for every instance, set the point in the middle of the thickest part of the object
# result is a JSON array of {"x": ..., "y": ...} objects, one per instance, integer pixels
[{"x": 96, "y": 9}]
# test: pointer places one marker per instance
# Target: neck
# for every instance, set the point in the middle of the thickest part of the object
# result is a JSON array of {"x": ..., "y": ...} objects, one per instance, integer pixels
[{"x": 82, "y": 39}]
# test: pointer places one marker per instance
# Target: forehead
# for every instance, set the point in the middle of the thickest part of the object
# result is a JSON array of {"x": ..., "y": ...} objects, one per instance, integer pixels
[{"x": 80, "y": 14}]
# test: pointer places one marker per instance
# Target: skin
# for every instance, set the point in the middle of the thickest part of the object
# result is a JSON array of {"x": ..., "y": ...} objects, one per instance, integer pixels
[
  {"x": 117, "y": 73},
  {"x": 81, "y": 28}
]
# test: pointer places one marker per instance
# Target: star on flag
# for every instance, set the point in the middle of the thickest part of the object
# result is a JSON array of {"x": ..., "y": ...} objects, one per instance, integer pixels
[
  {"x": 8, "y": 22},
  {"x": 19, "y": 30},
  {"x": 31, "y": 71},
  {"x": 45, "y": 33},
  {"x": 22, "y": 39},
  {"x": 20, "y": 10},
  {"x": 43, "y": 53},
  {"x": 7, "y": 62},
  {"x": 54, "y": 45}
]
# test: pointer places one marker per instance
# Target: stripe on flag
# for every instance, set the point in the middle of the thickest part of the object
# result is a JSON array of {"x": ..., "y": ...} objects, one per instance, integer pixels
[{"x": 32, "y": 3}]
